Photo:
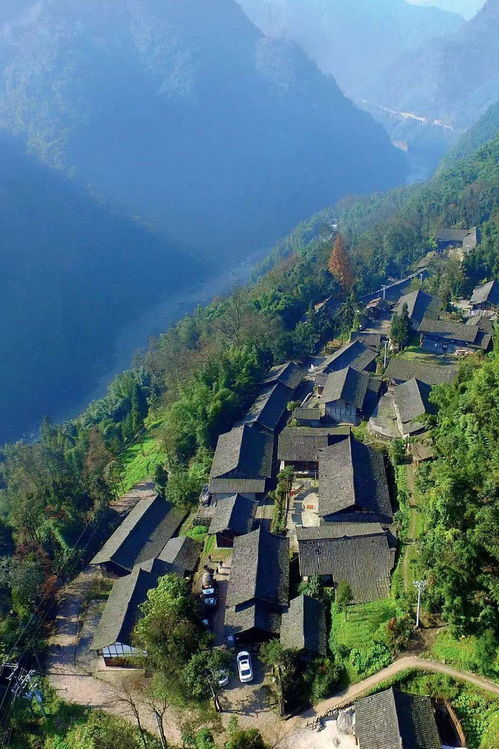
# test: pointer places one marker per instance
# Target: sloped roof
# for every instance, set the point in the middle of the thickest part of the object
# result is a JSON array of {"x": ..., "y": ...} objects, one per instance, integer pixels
[
  {"x": 338, "y": 530},
  {"x": 458, "y": 235},
  {"x": 303, "y": 626},
  {"x": 142, "y": 534},
  {"x": 307, "y": 414},
  {"x": 346, "y": 384},
  {"x": 412, "y": 400},
  {"x": 181, "y": 552},
  {"x": 419, "y": 305},
  {"x": 395, "y": 720},
  {"x": 242, "y": 453},
  {"x": 269, "y": 406},
  {"x": 448, "y": 330},
  {"x": 235, "y": 513},
  {"x": 370, "y": 339},
  {"x": 122, "y": 607},
  {"x": 482, "y": 322},
  {"x": 489, "y": 292},
  {"x": 364, "y": 562},
  {"x": 352, "y": 475},
  {"x": 256, "y": 615},
  {"x": 259, "y": 569},
  {"x": 289, "y": 374},
  {"x": 302, "y": 445},
  {"x": 355, "y": 354},
  {"x": 405, "y": 369}
]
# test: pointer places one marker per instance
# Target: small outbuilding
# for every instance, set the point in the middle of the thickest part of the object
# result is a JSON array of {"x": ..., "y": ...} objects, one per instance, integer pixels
[
  {"x": 303, "y": 626},
  {"x": 412, "y": 401},
  {"x": 233, "y": 516},
  {"x": 396, "y": 720},
  {"x": 486, "y": 296},
  {"x": 348, "y": 394}
]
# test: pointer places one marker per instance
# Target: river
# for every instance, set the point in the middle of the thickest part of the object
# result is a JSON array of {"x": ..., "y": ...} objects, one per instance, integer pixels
[{"x": 134, "y": 337}]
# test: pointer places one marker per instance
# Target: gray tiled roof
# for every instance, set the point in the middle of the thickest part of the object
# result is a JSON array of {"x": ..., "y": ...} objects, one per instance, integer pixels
[
  {"x": 181, "y": 552},
  {"x": 302, "y": 445},
  {"x": 269, "y": 406},
  {"x": 457, "y": 235},
  {"x": 255, "y": 615},
  {"x": 419, "y": 305},
  {"x": 489, "y": 292},
  {"x": 122, "y": 607},
  {"x": 412, "y": 400},
  {"x": 370, "y": 339},
  {"x": 348, "y": 385},
  {"x": 142, "y": 534},
  {"x": 352, "y": 477},
  {"x": 307, "y": 414},
  {"x": 482, "y": 322},
  {"x": 363, "y": 561},
  {"x": 355, "y": 354},
  {"x": 448, "y": 331},
  {"x": 235, "y": 513},
  {"x": 395, "y": 720},
  {"x": 303, "y": 626},
  {"x": 242, "y": 461},
  {"x": 259, "y": 569},
  {"x": 289, "y": 374},
  {"x": 405, "y": 369},
  {"x": 338, "y": 530}
]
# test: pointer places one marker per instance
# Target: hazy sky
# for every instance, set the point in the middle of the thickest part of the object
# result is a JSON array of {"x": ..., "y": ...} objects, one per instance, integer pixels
[{"x": 466, "y": 8}]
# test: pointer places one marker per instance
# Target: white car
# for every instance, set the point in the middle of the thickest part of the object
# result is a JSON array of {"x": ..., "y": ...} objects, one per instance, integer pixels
[{"x": 244, "y": 666}]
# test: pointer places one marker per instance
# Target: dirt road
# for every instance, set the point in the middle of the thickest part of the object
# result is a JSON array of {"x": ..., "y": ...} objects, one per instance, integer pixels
[{"x": 406, "y": 662}]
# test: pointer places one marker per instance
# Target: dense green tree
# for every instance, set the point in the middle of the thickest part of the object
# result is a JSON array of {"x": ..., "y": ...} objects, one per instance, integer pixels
[
  {"x": 170, "y": 629},
  {"x": 459, "y": 548}
]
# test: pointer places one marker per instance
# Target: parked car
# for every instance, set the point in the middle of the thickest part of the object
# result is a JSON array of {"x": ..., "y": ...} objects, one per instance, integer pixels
[
  {"x": 223, "y": 678},
  {"x": 244, "y": 666},
  {"x": 209, "y": 597}
]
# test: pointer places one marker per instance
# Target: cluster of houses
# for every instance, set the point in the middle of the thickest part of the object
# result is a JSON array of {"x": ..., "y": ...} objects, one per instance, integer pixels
[{"x": 340, "y": 523}]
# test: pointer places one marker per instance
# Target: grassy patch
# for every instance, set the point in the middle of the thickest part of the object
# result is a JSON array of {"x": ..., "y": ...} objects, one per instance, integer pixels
[
  {"x": 139, "y": 461},
  {"x": 461, "y": 653},
  {"x": 356, "y": 627}
]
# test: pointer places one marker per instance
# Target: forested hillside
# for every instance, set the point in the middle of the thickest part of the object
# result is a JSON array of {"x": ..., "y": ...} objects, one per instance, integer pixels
[
  {"x": 74, "y": 271},
  {"x": 355, "y": 42},
  {"x": 186, "y": 114},
  {"x": 477, "y": 135},
  {"x": 453, "y": 78},
  {"x": 180, "y": 115}
]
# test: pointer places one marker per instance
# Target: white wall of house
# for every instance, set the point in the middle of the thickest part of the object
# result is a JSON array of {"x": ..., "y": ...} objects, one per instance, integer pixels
[{"x": 342, "y": 411}]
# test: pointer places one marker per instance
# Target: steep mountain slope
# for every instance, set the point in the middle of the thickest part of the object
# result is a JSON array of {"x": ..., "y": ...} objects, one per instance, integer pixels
[
  {"x": 185, "y": 113},
  {"x": 454, "y": 78},
  {"x": 73, "y": 272},
  {"x": 480, "y": 133},
  {"x": 466, "y": 8},
  {"x": 354, "y": 41}
]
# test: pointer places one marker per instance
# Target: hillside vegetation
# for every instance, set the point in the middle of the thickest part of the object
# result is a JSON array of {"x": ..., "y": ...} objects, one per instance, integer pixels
[{"x": 198, "y": 378}]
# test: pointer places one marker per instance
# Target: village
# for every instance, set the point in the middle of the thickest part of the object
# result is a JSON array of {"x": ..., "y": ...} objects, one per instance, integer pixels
[{"x": 299, "y": 492}]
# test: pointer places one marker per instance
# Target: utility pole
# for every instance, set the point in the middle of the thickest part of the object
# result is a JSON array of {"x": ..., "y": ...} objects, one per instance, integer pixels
[
  {"x": 384, "y": 292},
  {"x": 420, "y": 585},
  {"x": 385, "y": 354}
]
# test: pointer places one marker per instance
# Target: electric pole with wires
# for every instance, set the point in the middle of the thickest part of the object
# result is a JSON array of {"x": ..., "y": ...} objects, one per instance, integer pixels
[{"x": 420, "y": 585}]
